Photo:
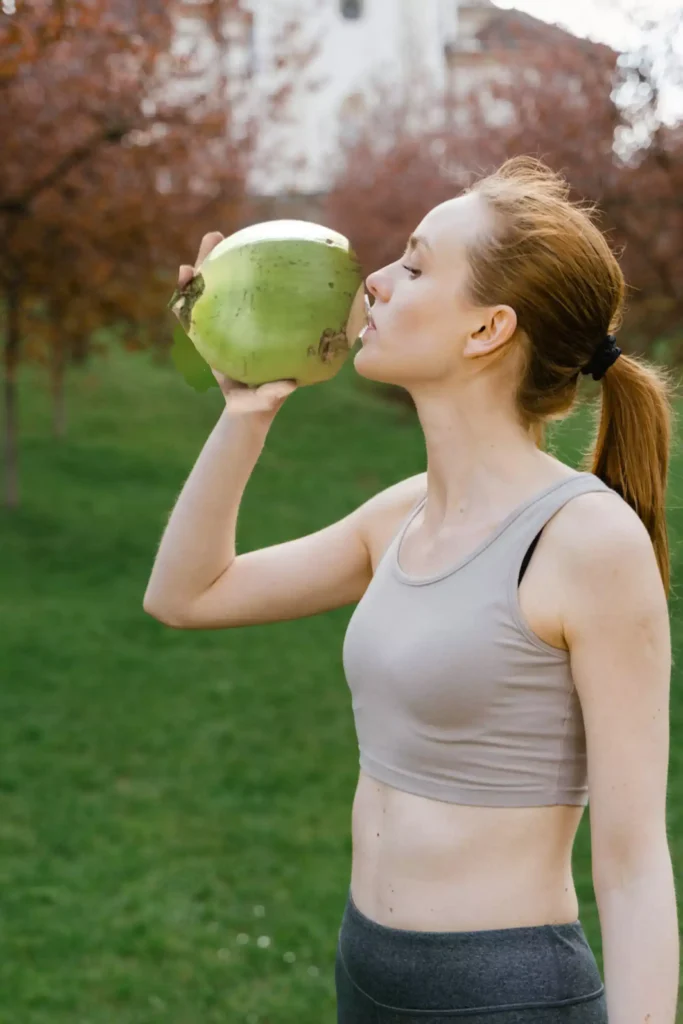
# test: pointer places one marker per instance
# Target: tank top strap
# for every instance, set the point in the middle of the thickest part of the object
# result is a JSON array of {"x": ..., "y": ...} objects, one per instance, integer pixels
[
  {"x": 530, "y": 519},
  {"x": 537, "y": 511}
]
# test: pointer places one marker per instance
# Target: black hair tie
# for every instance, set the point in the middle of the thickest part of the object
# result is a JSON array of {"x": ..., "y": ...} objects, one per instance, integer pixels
[{"x": 605, "y": 356}]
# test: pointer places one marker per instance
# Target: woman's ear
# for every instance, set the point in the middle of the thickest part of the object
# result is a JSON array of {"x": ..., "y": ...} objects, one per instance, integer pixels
[{"x": 495, "y": 329}]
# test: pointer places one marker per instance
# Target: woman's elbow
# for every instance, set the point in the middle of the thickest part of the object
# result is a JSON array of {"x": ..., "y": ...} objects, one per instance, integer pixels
[{"x": 162, "y": 613}]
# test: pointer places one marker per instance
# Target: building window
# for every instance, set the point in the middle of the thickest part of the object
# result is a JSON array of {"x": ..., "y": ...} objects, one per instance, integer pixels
[{"x": 351, "y": 9}]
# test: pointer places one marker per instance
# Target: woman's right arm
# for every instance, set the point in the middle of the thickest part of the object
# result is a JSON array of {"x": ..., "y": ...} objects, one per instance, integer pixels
[{"x": 198, "y": 582}]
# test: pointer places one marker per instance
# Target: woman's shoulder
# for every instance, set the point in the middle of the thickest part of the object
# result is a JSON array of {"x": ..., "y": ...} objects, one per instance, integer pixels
[{"x": 598, "y": 532}]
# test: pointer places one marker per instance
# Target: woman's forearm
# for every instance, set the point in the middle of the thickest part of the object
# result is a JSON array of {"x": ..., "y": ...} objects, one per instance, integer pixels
[
  {"x": 639, "y": 926},
  {"x": 198, "y": 543}
]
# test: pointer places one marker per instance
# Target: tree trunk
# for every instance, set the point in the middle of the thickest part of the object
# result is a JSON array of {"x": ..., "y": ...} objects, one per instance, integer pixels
[
  {"x": 11, "y": 415},
  {"x": 57, "y": 373}
]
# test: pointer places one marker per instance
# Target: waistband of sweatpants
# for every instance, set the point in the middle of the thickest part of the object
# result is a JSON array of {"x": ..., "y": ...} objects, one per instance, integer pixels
[{"x": 530, "y": 967}]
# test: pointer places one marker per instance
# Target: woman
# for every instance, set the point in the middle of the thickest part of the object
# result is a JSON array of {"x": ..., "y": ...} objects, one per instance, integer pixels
[{"x": 510, "y": 649}]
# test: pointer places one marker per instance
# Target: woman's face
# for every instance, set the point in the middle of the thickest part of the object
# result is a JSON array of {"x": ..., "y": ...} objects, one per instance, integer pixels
[{"x": 424, "y": 323}]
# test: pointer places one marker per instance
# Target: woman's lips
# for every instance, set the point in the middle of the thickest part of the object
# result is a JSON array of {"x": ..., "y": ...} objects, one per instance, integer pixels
[
  {"x": 370, "y": 325},
  {"x": 368, "y": 312}
]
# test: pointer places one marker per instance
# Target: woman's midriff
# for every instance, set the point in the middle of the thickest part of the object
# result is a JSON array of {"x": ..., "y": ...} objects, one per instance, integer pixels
[{"x": 428, "y": 865}]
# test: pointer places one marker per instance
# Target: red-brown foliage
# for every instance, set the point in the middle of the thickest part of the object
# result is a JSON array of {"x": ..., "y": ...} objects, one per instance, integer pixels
[{"x": 117, "y": 156}]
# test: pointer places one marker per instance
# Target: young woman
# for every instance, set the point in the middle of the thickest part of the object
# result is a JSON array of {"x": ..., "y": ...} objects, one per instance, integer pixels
[{"x": 510, "y": 650}]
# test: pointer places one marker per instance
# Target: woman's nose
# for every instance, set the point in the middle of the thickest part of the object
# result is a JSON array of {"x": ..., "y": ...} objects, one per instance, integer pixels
[{"x": 377, "y": 285}]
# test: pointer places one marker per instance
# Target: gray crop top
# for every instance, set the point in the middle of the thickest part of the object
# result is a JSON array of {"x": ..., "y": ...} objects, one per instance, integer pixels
[{"x": 454, "y": 697}]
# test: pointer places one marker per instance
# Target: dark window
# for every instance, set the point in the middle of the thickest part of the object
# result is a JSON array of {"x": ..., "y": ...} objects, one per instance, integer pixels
[{"x": 351, "y": 9}]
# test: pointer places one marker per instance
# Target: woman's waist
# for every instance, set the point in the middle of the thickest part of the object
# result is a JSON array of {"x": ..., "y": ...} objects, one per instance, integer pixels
[
  {"x": 442, "y": 849},
  {"x": 397, "y": 897}
]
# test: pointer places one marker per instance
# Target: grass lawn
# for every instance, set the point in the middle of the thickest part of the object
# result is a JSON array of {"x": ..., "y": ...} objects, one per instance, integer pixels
[{"x": 175, "y": 826}]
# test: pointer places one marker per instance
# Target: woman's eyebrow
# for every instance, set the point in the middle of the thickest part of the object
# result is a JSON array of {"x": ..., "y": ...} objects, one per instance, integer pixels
[{"x": 416, "y": 240}]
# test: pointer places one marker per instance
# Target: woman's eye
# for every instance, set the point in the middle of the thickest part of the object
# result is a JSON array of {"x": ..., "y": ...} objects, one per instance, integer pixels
[{"x": 411, "y": 270}]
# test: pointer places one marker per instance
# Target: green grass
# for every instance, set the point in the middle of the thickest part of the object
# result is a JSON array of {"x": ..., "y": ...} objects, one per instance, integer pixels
[{"x": 164, "y": 793}]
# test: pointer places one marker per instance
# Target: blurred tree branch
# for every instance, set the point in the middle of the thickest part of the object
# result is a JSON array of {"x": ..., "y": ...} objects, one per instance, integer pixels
[{"x": 117, "y": 153}]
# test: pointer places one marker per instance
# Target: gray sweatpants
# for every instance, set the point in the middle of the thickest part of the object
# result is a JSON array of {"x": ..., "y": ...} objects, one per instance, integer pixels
[{"x": 545, "y": 974}]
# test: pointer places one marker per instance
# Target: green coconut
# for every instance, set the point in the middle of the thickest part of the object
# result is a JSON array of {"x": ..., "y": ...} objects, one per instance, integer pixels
[{"x": 281, "y": 300}]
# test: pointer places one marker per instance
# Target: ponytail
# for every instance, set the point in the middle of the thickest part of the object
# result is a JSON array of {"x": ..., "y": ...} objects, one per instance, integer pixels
[
  {"x": 547, "y": 259},
  {"x": 631, "y": 447}
]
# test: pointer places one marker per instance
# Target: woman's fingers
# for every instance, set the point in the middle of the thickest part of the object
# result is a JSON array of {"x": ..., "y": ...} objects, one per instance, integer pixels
[
  {"x": 267, "y": 398},
  {"x": 209, "y": 242},
  {"x": 259, "y": 398}
]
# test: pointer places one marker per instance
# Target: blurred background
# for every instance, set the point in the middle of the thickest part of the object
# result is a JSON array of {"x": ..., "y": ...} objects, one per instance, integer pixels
[{"x": 175, "y": 807}]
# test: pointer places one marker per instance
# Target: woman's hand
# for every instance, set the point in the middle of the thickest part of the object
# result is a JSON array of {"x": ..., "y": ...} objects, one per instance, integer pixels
[{"x": 243, "y": 398}]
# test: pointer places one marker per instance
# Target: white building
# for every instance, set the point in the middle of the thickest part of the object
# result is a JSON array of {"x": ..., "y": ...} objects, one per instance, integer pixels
[
  {"x": 356, "y": 42},
  {"x": 359, "y": 42}
]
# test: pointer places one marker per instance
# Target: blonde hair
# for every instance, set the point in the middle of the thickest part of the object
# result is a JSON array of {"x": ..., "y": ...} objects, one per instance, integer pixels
[{"x": 548, "y": 260}]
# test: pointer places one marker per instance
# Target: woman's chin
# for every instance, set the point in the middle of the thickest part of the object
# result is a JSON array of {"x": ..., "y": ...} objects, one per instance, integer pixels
[
  {"x": 362, "y": 364},
  {"x": 366, "y": 366}
]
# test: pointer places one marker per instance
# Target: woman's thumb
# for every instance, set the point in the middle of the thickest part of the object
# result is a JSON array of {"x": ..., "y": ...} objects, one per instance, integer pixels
[
  {"x": 278, "y": 390},
  {"x": 185, "y": 275}
]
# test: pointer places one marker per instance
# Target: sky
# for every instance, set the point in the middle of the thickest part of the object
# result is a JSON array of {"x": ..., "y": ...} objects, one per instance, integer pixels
[
  {"x": 598, "y": 19},
  {"x": 602, "y": 20}
]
